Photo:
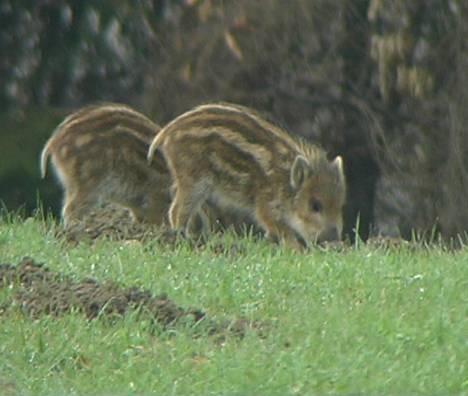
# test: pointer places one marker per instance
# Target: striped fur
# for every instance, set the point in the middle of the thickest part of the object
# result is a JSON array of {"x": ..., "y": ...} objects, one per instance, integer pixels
[
  {"x": 99, "y": 155},
  {"x": 232, "y": 156}
]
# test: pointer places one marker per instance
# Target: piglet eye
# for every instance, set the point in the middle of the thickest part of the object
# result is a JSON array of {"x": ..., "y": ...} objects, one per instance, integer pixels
[{"x": 315, "y": 205}]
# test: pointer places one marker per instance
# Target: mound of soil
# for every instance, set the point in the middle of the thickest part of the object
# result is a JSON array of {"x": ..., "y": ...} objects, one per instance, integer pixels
[
  {"x": 116, "y": 223},
  {"x": 113, "y": 222},
  {"x": 40, "y": 291}
]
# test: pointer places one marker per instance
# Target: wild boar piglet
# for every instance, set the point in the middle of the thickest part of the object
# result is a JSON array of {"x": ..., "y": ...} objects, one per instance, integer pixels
[
  {"x": 234, "y": 158},
  {"x": 99, "y": 155}
]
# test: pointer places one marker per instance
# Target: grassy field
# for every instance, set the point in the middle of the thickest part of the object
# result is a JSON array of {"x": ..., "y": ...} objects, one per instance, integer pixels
[{"x": 365, "y": 320}]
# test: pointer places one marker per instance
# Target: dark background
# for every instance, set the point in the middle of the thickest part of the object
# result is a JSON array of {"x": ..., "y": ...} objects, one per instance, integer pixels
[{"x": 381, "y": 82}]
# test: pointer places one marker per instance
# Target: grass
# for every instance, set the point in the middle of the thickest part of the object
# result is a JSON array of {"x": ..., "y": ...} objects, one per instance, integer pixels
[{"x": 366, "y": 320}]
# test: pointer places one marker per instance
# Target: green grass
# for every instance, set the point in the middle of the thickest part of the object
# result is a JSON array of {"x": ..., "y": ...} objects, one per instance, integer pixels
[{"x": 370, "y": 321}]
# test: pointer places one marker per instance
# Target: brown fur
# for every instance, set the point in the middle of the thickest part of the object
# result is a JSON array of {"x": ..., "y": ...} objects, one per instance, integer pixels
[
  {"x": 231, "y": 156},
  {"x": 99, "y": 154}
]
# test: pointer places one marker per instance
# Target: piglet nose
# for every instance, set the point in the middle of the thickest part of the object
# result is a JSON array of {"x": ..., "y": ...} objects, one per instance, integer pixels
[{"x": 330, "y": 234}]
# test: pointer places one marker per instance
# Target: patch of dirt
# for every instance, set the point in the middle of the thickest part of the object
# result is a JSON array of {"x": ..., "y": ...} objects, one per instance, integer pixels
[
  {"x": 39, "y": 291},
  {"x": 113, "y": 222},
  {"x": 116, "y": 223},
  {"x": 8, "y": 387}
]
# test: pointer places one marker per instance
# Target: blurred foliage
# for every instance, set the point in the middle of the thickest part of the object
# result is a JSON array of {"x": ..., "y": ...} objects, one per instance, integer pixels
[
  {"x": 21, "y": 139},
  {"x": 68, "y": 52},
  {"x": 422, "y": 56},
  {"x": 382, "y": 82}
]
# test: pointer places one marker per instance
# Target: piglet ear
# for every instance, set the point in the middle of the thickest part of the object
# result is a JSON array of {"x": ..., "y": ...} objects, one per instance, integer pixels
[
  {"x": 338, "y": 164},
  {"x": 299, "y": 171}
]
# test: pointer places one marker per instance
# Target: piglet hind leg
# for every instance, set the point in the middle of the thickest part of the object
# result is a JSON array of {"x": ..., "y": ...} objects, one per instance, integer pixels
[
  {"x": 76, "y": 206},
  {"x": 186, "y": 207}
]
